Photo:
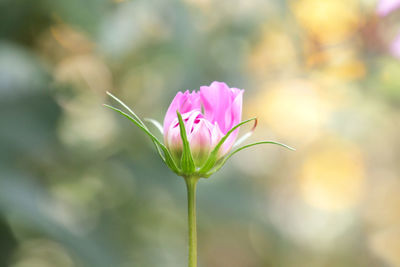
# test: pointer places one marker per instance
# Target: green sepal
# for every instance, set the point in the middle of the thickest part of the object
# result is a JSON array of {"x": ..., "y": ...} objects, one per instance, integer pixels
[
  {"x": 136, "y": 117},
  {"x": 167, "y": 156},
  {"x": 156, "y": 124},
  {"x": 187, "y": 162},
  {"x": 219, "y": 166},
  {"x": 212, "y": 159}
]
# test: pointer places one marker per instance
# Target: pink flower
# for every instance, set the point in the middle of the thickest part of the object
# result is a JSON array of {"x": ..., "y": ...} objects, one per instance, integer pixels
[
  {"x": 387, "y": 6},
  {"x": 200, "y": 128},
  {"x": 222, "y": 110}
]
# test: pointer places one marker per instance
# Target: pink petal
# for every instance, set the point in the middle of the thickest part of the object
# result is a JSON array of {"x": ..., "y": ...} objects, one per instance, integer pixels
[
  {"x": 173, "y": 142},
  {"x": 218, "y": 101},
  {"x": 217, "y": 136},
  {"x": 236, "y": 112},
  {"x": 387, "y": 6},
  {"x": 183, "y": 102},
  {"x": 200, "y": 140},
  {"x": 172, "y": 137},
  {"x": 189, "y": 119},
  {"x": 215, "y": 99}
]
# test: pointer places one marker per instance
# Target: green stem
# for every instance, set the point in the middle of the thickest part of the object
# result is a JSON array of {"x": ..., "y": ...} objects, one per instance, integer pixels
[{"x": 191, "y": 183}]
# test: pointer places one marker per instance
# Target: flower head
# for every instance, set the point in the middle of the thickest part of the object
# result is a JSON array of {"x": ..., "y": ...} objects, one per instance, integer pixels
[
  {"x": 222, "y": 108},
  {"x": 200, "y": 128}
]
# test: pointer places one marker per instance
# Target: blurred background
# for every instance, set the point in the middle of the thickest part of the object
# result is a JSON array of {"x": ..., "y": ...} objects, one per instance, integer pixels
[{"x": 82, "y": 186}]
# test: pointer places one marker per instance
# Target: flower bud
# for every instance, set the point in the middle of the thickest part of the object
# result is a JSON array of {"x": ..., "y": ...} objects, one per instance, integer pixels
[
  {"x": 200, "y": 128},
  {"x": 222, "y": 110}
]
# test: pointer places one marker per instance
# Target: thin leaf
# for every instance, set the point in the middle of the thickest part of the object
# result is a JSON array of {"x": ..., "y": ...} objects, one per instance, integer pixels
[
  {"x": 212, "y": 159},
  {"x": 246, "y": 135},
  {"x": 139, "y": 121},
  {"x": 126, "y": 106},
  {"x": 244, "y": 147},
  {"x": 167, "y": 156},
  {"x": 142, "y": 127},
  {"x": 187, "y": 162},
  {"x": 156, "y": 124}
]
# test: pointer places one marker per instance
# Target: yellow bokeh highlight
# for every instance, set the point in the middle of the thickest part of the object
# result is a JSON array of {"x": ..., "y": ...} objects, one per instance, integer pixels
[
  {"x": 332, "y": 176},
  {"x": 349, "y": 70},
  {"x": 382, "y": 215},
  {"x": 274, "y": 50},
  {"x": 382, "y": 206},
  {"x": 342, "y": 62},
  {"x": 86, "y": 71},
  {"x": 328, "y": 21},
  {"x": 71, "y": 39},
  {"x": 291, "y": 109},
  {"x": 386, "y": 245}
]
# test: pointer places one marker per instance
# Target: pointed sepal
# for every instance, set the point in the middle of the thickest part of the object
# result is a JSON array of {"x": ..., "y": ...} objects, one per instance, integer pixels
[
  {"x": 187, "y": 162},
  {"x": 222, "y": 163}
]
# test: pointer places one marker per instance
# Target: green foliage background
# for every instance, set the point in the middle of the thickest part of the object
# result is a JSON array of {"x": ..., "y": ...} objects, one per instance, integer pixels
[{"x": 81, "y": 186}]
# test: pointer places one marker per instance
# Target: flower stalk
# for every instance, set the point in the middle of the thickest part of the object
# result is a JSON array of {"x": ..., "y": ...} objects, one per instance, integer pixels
[{"x": 191, "y": 183}]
